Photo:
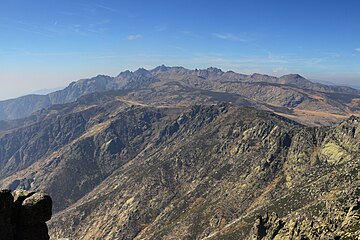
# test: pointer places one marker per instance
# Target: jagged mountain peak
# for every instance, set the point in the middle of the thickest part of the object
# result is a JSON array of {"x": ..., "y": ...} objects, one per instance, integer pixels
[
  {"x": 182, "y": 70},
  {"x": 99, "y": 77},
  {"x": 125, "y": 74},
  {"x": 102, "y": 76},
  {"x": 161, "y": 68},
  {"x": 142, "y": 71},
  {"x": 130, "y": 74},
  {"x": 214, "y": 69}
]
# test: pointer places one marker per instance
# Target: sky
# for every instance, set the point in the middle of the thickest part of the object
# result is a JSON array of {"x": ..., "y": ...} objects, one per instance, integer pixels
[{"x": 46, "y": 44}]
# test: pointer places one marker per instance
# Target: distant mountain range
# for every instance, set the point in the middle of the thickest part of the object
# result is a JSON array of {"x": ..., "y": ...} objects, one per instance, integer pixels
[
  {"x": 334, "y": 84},
  {"x": 290, "y": 94}
]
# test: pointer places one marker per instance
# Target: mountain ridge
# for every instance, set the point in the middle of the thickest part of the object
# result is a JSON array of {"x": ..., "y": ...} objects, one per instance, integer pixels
[{"x": 205, "y": 79}]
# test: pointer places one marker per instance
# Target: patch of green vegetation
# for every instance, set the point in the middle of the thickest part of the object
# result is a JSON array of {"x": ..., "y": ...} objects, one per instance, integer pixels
[{"x": 334, "y": 153}]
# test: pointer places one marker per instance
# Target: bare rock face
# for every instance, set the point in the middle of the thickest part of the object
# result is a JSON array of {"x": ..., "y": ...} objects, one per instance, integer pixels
[
  {"x": 339, "y": 224},
  {"x": 23, "y": 215},
  {"x": 266, "y": 227}
]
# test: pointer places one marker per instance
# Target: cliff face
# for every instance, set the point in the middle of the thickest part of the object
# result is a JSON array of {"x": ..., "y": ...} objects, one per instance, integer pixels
[{"x": 23, "y": 215}]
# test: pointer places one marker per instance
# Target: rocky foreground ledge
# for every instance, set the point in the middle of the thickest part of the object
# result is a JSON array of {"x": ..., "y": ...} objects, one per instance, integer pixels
[{"x": 23, "y": 215}]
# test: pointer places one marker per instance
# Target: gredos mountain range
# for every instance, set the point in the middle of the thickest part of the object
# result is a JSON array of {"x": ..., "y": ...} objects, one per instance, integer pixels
[
  {"x": 173, "y": 153},
  {"x": 290, "y": 95}
]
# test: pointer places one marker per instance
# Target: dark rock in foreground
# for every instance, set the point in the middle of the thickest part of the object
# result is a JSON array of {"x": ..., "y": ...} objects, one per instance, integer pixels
[{"x": 23, "y": 215}]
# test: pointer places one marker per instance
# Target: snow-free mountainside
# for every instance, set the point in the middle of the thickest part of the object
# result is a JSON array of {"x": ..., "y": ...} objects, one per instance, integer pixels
[{"x": 172, "y": 153}]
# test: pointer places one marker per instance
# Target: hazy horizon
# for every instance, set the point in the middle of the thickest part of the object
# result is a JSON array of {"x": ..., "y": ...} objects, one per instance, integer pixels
[{"x": 49, "y": 44}]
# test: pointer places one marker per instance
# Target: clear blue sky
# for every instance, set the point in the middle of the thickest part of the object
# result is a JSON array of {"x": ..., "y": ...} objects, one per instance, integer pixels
[{"x": 45, "y": 44}]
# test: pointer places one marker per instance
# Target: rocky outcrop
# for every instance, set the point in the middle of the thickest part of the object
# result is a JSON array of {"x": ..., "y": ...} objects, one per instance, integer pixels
[
  {"x": 266, "y": 227},
  {"x": 337, "y": 224},
  {"x": 23, "y": 215}
]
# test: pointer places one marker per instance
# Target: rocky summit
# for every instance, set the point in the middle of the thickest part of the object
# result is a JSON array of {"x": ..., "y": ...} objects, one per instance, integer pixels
[
  {"x": 174, "y": 153},
  {"x": 23, "y": 215}
]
